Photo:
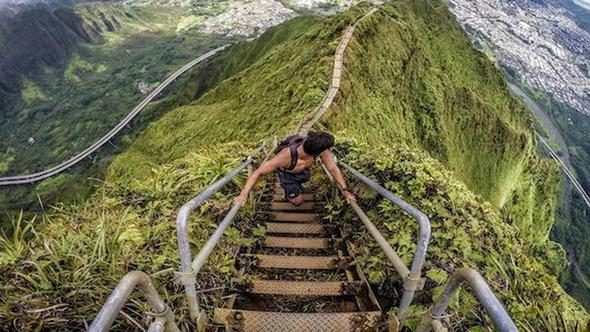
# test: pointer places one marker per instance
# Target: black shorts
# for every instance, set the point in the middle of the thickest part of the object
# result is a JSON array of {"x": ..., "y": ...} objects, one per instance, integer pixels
[{"x": 292, "y": 182}]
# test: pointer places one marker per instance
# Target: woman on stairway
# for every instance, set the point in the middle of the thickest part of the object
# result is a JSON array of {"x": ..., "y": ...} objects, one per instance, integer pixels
[{"x": 293, "y": 158}]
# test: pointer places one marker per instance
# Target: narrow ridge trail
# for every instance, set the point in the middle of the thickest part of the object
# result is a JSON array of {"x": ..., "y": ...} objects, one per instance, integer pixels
[{"x": 312, "y": 118}]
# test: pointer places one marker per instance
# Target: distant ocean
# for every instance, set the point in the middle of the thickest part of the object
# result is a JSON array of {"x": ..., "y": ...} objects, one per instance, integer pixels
[{"x": 583, "y": 3}]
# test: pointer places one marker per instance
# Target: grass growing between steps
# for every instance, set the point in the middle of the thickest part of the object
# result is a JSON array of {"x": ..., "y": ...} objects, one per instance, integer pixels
[{"x": 467, "y": 231}]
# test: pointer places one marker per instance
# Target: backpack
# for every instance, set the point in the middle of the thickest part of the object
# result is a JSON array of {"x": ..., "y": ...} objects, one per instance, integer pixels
[{"x": 292, "y": 142}]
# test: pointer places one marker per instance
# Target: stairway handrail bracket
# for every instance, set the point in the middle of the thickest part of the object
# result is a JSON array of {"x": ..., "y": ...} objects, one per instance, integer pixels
[
  {"x": 189, "y": 267},
  {"x": 483, "y": 293},
  {"x": 413, "y": 280},
  {"x": 164, "y": 317}
]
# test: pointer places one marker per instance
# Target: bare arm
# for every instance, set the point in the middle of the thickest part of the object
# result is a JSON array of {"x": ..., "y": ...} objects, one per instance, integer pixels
[
  {"x": 328, "y": 159},
  {"x": 268, "y": 167}
]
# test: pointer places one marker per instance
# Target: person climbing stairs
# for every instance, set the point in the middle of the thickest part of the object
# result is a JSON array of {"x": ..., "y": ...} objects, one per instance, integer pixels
[{"x": 300, "y": 277}]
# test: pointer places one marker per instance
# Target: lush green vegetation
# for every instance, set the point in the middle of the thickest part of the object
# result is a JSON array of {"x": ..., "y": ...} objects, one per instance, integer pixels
[
  {"x": 573, "y": 232},
  {"x": 419, "y": 110},
  {"x": 428, "y": 88},
  {"x": 58, "y": 269},
  {"x": 68, "y": 104},
  {"x": 467, "y": 231}
]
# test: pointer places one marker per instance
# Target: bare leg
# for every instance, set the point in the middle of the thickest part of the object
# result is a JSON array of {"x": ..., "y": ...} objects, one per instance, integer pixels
[{"x": 298, "y": 200}]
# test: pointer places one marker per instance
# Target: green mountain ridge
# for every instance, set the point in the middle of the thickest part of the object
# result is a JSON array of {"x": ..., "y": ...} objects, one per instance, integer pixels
[
  {"x": 419, "y": 109},
  {"x": 67, "y": 106}
]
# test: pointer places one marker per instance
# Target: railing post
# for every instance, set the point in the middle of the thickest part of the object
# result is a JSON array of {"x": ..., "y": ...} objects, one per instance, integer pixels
[
  {"x": 113, "y": 305},
  {"x": 187, "y": 276},
  {"x": 412, "y": 280},
  {"x": 483, "y": 293}
]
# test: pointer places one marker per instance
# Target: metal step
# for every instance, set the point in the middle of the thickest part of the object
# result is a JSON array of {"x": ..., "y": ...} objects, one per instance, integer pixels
[
  {"x": 294, "y": 228},
  {"x": 296, "y": 262},
  {"x": 298, "y": 242},
  {"x": 261, "y": 321},
  {"x": 287, "y": 206},
  {"x": 295, "y": 217},
  {"x": 305, "y": 288}
]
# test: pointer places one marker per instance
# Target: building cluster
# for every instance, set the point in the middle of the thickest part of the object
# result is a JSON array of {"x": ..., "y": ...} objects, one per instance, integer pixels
[
  {"x": 247, "y": 18},
  {"x": 539, "y": 41}
]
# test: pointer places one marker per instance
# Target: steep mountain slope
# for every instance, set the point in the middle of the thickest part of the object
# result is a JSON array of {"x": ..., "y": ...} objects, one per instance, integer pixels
[
  {"x": 68, "y": 105},
  {"x": 428, "y": 88},
  {"x": 419, "y": 110}
]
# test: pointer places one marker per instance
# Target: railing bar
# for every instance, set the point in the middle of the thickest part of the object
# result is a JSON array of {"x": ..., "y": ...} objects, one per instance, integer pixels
[
  {"x": 157, "y": 325},
  {"x": 115, "y": 302},
  {"x": 189, "y": 281},
  {"x": 201, "y": 258},
  {"x": 483, "y": 293},
  {"x": 397, "y": 262},
  {"x": 412, "y": 280}
]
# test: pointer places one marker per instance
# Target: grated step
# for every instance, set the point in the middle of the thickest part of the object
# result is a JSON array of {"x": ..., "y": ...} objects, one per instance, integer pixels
[
  {"x": 287, "y": 206},
  {"x": 299, "y": 242},
  {"x": 296, "y": 262},
  {"x": 304, "y": 288},
  {"x": 295, "y": 217},
  {"x": 261, "y": 321},
  {"x": 294, "y": 228}
]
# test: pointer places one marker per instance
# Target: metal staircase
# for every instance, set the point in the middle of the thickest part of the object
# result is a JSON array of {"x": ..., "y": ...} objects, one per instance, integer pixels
[{"x": 301, "y": 275}]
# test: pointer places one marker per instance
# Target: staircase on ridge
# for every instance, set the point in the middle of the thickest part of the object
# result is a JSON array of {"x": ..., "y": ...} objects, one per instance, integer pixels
[{"x": 301, "y": 276}]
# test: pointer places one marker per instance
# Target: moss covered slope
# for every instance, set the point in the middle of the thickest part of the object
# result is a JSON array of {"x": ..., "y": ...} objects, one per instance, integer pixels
[
  {"x": 419, "y": 109},
  {"x": 413, "y": 76}
]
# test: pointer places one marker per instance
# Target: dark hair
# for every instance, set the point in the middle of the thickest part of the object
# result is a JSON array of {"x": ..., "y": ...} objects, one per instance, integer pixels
[{"x": 317, "y": 142}]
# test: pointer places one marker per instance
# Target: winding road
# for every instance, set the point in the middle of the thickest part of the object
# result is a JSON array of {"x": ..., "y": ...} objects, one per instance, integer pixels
[{"x": 35, "y": 177}]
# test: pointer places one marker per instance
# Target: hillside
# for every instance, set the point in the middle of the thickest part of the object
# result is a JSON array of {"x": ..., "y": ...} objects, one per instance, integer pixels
[
  {"x": 445, "y": 134},
  {"x": 58, "y": 65},
  {"x": 75, "y": 84}
]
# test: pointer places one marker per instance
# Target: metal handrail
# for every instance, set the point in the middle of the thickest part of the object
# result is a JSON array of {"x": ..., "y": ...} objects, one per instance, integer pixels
[
  {"x": 412, "y": 277},
  {"x": 115, "y": 302},
  {"x": 483, "y": 293},
  {"x": 190, "y": 268}
]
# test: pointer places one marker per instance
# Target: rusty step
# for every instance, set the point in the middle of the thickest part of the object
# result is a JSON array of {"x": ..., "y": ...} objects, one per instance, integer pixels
[
  {"x": 304, "y": 288},
  {"x": 296, "y": 262},
  {"x": 294, "y": 228},
  {"x": 265, "y": 321},
  {"x": 295, "y": 216},
  {"x": 300, "y": 242},
  {"x": 287, "y": 206}
]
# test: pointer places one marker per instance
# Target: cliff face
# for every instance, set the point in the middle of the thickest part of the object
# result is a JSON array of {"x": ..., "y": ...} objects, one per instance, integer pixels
[
  {"x": 45, "y": 37},
  {"x": 36, "y": 38}
]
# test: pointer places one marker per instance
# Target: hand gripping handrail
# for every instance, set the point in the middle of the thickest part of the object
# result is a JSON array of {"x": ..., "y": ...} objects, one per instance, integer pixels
[
  {"x": 483, "y": 293},
  {"x": 412, "y": 277},
  {"x": 189, "y": 269},
  {"x": 164, "y": 316}
]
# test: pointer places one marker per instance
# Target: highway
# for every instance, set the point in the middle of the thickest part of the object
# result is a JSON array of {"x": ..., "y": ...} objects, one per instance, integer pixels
[{"x": 35, "y": 177}]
